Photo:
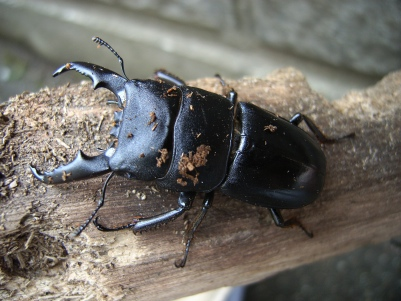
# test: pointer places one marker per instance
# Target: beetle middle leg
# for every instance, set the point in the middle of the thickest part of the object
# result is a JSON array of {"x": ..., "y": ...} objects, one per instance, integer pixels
[
  {"x": 185, "y": 201},
  {"x": 280, "y": 222},
  {"x": 207, "y": 203},
  {"x": 298, "y": 118}
]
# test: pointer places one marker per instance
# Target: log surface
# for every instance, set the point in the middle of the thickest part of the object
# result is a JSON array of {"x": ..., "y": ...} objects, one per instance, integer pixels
[{"x": 236, "y": 244}]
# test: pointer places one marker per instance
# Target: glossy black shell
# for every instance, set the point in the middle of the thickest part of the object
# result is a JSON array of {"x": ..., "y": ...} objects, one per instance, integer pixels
[
  {"x": 273, "y": 162},
  {"x": 277, "y": 164},
  {"x": 190, "y": 140}
]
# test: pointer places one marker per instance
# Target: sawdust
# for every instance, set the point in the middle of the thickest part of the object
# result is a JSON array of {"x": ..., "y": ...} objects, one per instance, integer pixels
[
  {"x": 27, "y": 252},
  {"x": 43, "y": 129},
  {"x": 153, "y": 118},
  {"x": 47, "y": 133},
  {"x": 188, "y": 164},
  {"x": 163, "y": 157},
  {"x": 271, "y": 128}
]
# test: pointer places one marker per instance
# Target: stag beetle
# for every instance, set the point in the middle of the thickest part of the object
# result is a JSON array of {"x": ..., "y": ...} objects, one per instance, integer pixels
[{"x": 190, "y": 140}]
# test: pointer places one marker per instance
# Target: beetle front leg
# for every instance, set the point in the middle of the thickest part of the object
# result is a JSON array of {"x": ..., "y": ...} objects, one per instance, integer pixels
[
  {"x": 232, "y": 95},
  {"x": 169, "y": 77},
  {"x": 280, "y": 222},
  {"x": 185, "y": 201}
]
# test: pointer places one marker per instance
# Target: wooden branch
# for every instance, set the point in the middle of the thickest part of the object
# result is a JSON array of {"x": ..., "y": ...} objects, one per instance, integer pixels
[{"x": 236, "y": 244}]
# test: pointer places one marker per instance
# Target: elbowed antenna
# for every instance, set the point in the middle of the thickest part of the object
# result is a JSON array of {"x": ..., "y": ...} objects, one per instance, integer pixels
[{"x": 120, "y": 59}]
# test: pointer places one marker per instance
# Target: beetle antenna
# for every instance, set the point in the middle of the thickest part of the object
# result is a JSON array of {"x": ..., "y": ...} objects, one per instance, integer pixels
[
  {"x": 120, "y": 59},
  {"x": 99, "y": 205}
]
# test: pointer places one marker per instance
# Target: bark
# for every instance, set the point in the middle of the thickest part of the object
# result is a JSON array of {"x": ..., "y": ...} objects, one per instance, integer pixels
[{"x": 236, "y": 244}]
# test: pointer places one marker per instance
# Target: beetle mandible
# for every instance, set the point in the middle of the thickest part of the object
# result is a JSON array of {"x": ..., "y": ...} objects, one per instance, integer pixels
[{"x": 249, "y": 153}]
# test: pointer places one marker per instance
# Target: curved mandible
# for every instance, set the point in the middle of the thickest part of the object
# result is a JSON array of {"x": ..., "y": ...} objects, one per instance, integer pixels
[
  {"x": 100, "y": 76},
  {"x": 82, "y": 167}
]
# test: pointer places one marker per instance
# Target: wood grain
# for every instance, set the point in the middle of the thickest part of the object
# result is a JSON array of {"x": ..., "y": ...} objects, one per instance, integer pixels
[{"x": 236, "y": 244}]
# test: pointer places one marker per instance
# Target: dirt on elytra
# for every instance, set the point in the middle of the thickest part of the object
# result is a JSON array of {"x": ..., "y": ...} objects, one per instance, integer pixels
[
  {"x": 163, "y": 157},
  {"x": 188, "y": 163}
]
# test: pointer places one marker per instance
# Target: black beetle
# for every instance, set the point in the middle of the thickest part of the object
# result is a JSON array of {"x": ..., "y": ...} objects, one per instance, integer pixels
[{"x": 190, "y": 140}]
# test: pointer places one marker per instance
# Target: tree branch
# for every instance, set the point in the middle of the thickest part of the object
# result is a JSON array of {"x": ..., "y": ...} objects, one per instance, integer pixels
[{"x": 236, "y": 244}]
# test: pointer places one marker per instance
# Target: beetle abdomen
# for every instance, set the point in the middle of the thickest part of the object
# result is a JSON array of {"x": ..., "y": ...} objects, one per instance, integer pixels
[{"x": 277, "y": 164}]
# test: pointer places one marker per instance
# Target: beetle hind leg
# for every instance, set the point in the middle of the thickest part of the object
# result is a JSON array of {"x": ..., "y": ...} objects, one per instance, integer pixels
[
  {"x": 280, "y": 222},
  {"x": 298, "y": 118}
]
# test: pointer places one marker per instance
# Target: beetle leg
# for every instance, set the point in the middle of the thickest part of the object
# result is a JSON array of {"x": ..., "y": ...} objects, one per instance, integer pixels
[
  {"x": 207, "y": 203},
  {"x": 140, "y": 224},
  {"x": 232, "y": 95},
  {"x": 169, "y": 77},
  {"x": 99, "y": 205},
  {"x": 298, "y": 118},
  {"x": 82, "y": 167},
  {"x": 280, "y": 222}
]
